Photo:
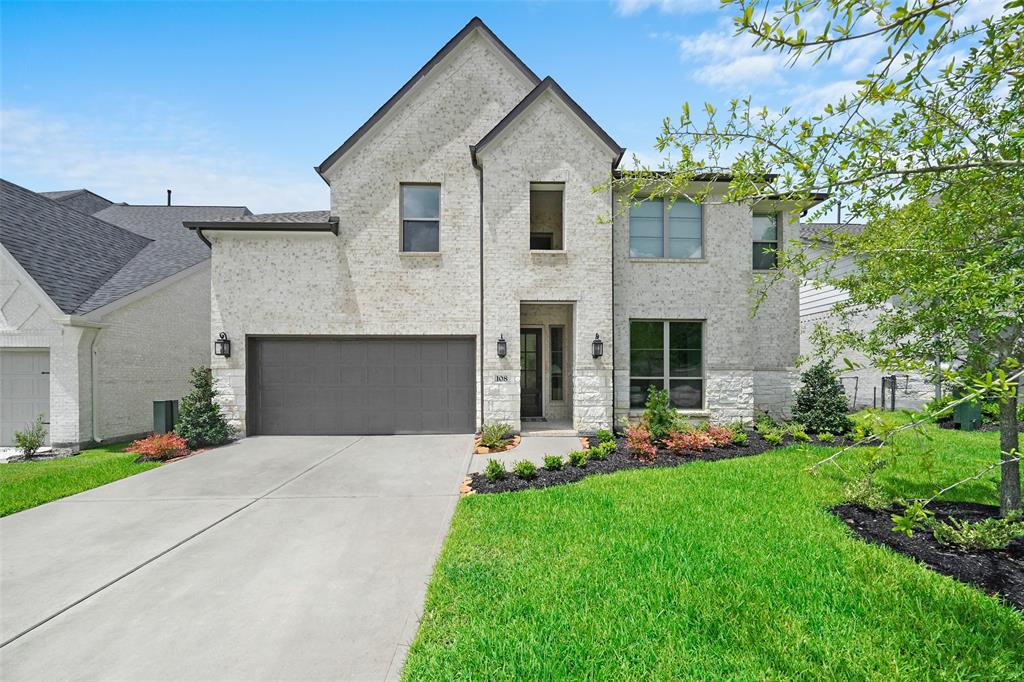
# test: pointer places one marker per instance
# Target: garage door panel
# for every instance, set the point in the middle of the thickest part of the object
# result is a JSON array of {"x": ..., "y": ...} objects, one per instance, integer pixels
[{"x": 362, "y": 385}]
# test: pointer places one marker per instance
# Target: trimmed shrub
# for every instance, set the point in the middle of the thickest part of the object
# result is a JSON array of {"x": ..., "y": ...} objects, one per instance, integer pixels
[
  {"x": 495, "y": 470},
  {"x": 693, "y": 441},
  {"x": 578, "y": 458},
  {"x": 159, "y": 446},
  {"x": 525, "y": 469},
  {"x": 200, "y": 421},
  {"x": 605, "y": 436},
  {"x": 826, "y": 437},
  {"x": 659, "y": 416},
  {"x": 773, "y": 437},
  {"x": 740, "y": 438},
  {"x": 601, "y": 451},
  {"x": 821, "y": 402},
  {"x": 798, "y": 432},
  {"x": 553, "y": 462},
  {"x": 31, "y": 439},
  {"x": 638, "y": 440},
  {"x": 764, "y": 423}
]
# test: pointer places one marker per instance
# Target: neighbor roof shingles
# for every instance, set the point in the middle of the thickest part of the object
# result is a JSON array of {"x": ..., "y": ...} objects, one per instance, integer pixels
[
  {"x": 173, "y": 249},
  {"x": 68, "y": 253}
]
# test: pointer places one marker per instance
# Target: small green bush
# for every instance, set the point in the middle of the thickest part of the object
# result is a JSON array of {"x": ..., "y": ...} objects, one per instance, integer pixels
[
  {"x": 525, "y": 469},
  {"x": 31, "y": 439},
  {"x": 495, "y": 470},
  {"x": 553, "y": 462},
  {"x": 659, "y": 416},
  {"x": 605, "y": 436},
  {"x": 797, "y": 432},
  {"x": 200, "y": 420},
  {"x": 764, "y": 423},
  {"x": 867, "y": 492},
  {"x": 578, "y": 458},
  {"x": 773, "y": 437},
  {"x": 493, "y": 435},
  {"x": 994, "y": 533},
  {"x": 821, "y": 401},
  {"x": 601, "y": 451},
  {"x": 740, "y": 438},
  {"x": 825, "y": 437}
]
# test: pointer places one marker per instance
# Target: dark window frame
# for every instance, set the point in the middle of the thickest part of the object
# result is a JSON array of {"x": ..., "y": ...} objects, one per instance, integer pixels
[
  {"x": 552, "y": 186},
  {"x": 403, "y": 218},
  {"x": 666, "y": 377},
  {"x": 758, "y": 245},
  {"x": 557, "y": 393}
]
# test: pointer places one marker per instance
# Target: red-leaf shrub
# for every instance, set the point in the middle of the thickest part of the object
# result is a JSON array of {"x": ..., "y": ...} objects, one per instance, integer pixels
[
  {"x": 159, "y": 446},
  {"x": 638, "y": 440},
  {"x": 720, "y": 435},
  {"x": 691, "y": 441}
]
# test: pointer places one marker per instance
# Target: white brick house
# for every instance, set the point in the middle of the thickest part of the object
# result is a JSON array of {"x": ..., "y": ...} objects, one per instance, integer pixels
[
  {"x": 104, "y": 308},
  {"x": 466, "y": 267}
]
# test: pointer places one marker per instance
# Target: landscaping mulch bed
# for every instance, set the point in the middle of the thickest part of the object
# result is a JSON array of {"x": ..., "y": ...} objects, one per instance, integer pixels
[
  {"x": 995, "y": 571},
  {"x": 621, "y": 459}
]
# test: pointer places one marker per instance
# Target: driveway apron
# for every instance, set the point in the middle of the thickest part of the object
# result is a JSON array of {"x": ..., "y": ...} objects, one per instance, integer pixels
[{"x": 274, "y": 558}]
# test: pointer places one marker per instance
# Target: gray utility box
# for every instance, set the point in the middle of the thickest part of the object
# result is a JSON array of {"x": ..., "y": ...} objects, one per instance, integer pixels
[
  {"x": 967, "y": 416},
  {"x": 165, "y": 415}
]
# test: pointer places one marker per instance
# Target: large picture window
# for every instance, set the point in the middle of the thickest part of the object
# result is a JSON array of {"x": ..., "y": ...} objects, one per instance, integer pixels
[
  {"x": 421, "y": 215},
  {"x": 667, "y": 354},
  {"x": 666, "y": 229}
]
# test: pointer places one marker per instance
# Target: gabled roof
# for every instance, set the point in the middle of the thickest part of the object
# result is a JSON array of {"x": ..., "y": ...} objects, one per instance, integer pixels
[
  {"x": 548, "y": 84},
  {"x": 68, "y": 253},
  {"x": 173, "y": 248},
  {"x": 474, "y": 24},
  {"x": 83, "y": 200}
]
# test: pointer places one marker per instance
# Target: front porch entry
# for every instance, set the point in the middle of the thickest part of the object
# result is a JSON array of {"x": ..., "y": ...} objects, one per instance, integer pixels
[{"x": 545, "y": 398}]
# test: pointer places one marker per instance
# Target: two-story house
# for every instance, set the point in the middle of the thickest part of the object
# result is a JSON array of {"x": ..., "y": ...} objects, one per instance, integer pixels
[{"x": 467, "y": 272}]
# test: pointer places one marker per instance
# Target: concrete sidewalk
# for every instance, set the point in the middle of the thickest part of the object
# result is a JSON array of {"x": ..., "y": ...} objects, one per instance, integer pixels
[{"x": 272, "y": 558}]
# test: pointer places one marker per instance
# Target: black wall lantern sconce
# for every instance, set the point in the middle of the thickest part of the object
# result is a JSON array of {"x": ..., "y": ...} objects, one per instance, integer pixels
[
  {"x": 502, "y": 346},
  {"x": 222, "y": 346},
  {"x": 598, "y": 346}
]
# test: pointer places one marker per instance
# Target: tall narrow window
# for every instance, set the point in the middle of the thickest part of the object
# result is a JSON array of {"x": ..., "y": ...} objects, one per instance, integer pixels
[
  {"x": 666, "y": 229},
  {"x": 421, "y": 212},
  {"x": 546, "y": 228},
  {"x": 666, "y": 354},
  {"x": 557, "y": 362},
  {"x": 766, "y": 241}
]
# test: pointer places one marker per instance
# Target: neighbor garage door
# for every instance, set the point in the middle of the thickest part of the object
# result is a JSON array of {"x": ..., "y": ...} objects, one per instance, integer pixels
[
  {"x": 326, "y": 386},
  {"x": 24, "y": 391}
]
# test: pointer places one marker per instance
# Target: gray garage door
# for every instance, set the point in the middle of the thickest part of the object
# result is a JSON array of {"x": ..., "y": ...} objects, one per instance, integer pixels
[
  {"x": 24, "y": 390},
  {"x": 361, "y": 386}
]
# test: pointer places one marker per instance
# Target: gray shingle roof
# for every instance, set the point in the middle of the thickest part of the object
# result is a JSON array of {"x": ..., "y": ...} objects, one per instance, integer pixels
[
  {"x": 83, "y": 200},
  {"x": 291, "y": 217},
  {"x": 174, "y": 248},
  {"x": 68, "y": 253}
]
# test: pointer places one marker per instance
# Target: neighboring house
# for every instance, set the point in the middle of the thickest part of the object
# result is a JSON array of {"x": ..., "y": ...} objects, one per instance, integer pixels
[
  {"x": 466, "y": 269},
  {"x": 863, "y": 386},
  {"x": 100, "y": 314}
]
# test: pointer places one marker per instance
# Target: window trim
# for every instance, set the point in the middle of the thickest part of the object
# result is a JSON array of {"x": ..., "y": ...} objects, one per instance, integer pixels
[
  {"x": 665, "y": 233},
  {"x": 666, "y": 376},
  {"x": 777, "y": 242},
  {"x": 402, "y": 217},
  {"x": 551, "y": 363},
  {"x": 546, "y": 186}
]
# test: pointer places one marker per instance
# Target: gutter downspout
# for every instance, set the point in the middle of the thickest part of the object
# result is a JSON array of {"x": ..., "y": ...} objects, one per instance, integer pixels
[
  {"x": 479, "y": 167},
  {"x": 611, "y": 192}
]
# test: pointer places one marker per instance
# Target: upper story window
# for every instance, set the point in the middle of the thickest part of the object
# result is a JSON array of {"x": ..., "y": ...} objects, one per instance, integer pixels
[
  {"x": 420, "y": 214},
  {"x": 546, "y": 224},
  {"x": 766, "y": 240},
  {"x": 664, "y": 229}
]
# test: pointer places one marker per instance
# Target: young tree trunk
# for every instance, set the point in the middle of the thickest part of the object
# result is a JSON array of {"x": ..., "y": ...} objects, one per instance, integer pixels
[{"x": 1009, "y": 444}]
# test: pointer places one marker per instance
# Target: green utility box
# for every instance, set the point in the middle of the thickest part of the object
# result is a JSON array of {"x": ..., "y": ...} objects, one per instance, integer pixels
[
  {"x": 165, "y": 415},
  {"x": 967, "y": 416}
]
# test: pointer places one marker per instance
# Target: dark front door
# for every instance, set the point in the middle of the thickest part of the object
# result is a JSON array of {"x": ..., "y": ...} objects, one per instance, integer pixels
[
  {"x": 530, "y": 401},
  {"x": 361, "y": 385}
]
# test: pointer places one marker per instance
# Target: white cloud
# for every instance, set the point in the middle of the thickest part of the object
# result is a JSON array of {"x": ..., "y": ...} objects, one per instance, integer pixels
[
  {"x": 630, "y": 7},
  {"x": 725, "y": 60},
  {"x": 138, "y": 155}
]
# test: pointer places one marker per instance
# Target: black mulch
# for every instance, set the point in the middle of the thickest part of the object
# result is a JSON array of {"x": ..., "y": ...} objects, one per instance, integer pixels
[
  {"x": 994, "y": 571},
  {"x": 621, "y": 459}
]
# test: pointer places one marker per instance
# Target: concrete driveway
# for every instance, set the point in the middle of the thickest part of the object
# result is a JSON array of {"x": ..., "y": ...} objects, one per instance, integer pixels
[{"x": 274, "y": 558}]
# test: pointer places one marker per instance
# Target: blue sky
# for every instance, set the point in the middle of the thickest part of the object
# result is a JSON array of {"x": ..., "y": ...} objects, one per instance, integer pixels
[{"x": 234, "y": 103}]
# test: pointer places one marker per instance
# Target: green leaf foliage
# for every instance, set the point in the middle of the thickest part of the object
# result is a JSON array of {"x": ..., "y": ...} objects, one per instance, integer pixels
[
  {"x": 200, "y": 420},
  {"x": 821, "y": 402}
]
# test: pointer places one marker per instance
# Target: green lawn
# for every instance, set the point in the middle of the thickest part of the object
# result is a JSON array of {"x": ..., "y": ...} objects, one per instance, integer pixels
[
  {"x": 729, "y": 569},
  {"x": 27, "y": 484}
]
